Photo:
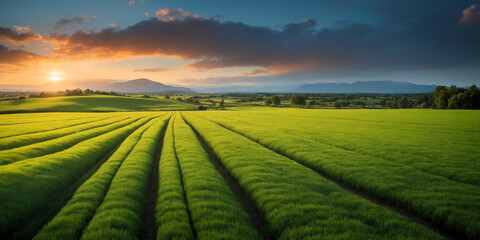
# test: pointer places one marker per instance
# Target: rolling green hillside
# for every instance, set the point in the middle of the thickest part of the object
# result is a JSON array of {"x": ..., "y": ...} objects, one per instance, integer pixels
[{"x": 97, "y": 103}]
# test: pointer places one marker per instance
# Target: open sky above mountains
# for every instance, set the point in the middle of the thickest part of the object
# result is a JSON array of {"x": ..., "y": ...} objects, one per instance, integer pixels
[{"x": 217, "y": 43}]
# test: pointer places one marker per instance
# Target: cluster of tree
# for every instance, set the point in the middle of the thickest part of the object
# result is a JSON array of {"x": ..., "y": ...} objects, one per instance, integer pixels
[
  {"x": 147, "y": 96},
  {"x": 297, "y": 100},
  {"x": 275, "y": 100},
  {"x": 193, "y": 99},
  {"x": 339, "y": 104},
  {"x": 14, "y": 98},
  {"x": 78, "y": 92},
  {"x": 251, "y": 99},
  {"x": 68, "y": 92},
  {"x": 404, "y": 102},
  {"x": 456, "y": 98}
]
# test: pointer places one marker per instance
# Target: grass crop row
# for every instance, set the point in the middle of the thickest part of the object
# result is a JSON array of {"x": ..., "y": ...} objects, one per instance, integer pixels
[
  {"x": 442, "y": 143},
  {"x": 214, "y": 209},
  {"x": 171, "y": 213},
  {"x": 54, "y": 123},
  {"x": 13, "y": 119},
  {"x": 75, "y": 215},
  {"x": 59, "y": 144},
  {"x": 296, "y": 201},
  {"x": 27, "y": 185},
  {"x": 57, "y": 201},
  {"x": 27, "y": 139},
  {"x": 119, "y": 216},
  {"x": 451, "y": 205}
]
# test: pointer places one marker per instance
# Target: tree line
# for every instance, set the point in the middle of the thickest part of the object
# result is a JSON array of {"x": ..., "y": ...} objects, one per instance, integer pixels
[
  {"x": 456, "y": 98},
  {"x": 442, "y": 98},
  {"x": 71, "y": 92}
]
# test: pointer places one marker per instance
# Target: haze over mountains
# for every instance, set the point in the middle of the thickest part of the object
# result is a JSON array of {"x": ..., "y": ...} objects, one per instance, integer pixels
[
  {"x": 141, "y": 85},
  {"x": 145, "y": 86},
  {"x": 365, "y": 87},
  {"x": 356, "y": 87}
]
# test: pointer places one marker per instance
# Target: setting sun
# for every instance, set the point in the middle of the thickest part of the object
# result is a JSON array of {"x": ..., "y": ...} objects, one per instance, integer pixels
[{"x": 55, "y": 76}]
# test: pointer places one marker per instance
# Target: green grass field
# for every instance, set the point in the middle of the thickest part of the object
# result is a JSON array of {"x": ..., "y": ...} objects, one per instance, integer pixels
[
  {"x": 94, "y": 103},
  {"x": 256, "y": 173}
]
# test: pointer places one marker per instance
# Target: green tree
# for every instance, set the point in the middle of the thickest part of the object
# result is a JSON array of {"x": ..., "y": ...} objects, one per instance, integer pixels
[
  {"x": 440, "y": 98},
  {"x": 297, "y": 100},
  {"x": 474, "y": 94},
  {"x": 403, "y": 103},
  {"x": 382, "y": 102},
  {"x": 268, "y": 101},
  {"x": 276, "y": 100},
  {"x": 339, "y": 104}
]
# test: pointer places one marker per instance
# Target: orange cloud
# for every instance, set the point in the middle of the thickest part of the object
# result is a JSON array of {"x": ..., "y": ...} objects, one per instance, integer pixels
[
  {"x": 26, "y": 29},
  {"x": 470, "y": 16},
  {"x": 21, "y": 35},
  {"x": 16, "y": 57},
  {"x": 167, "y": 14},
  {"x": 153, "y": 70},
  {"x": 256, "y": 72}
]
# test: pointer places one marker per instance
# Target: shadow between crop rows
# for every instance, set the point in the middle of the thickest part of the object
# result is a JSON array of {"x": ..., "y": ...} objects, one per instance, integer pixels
[
  {"x": 413, "y": 217},
  {"x": 246, "y": 203}
]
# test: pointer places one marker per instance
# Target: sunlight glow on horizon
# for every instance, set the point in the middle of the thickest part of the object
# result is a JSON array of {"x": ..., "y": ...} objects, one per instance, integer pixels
[{"x": 55, "y": 76}]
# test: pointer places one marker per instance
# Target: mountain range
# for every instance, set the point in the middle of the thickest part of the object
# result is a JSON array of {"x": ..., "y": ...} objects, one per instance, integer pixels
[
  {"x": 147, "y": 86},
  {"x": 138, "y": 86},
  {"x": 365, "y": 87},
  {"x": 356, "y": 87}
]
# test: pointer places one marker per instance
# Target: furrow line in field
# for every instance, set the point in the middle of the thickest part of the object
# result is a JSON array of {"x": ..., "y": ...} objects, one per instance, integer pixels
[
  {"x": 42, "y": 121},
  {"x": 75, "y": 215},
  {"x": 413, "y": 217},
  {"x": 171, "y": 216},
  {"x": 58, "y": 144},
  {"x": 27, "y": 185},
  {"x": 22, "y": 130},
  {"x": 182, "y": 180},
  {"x": 247, "y": 204},
  {"x": 426, "y": 170},
  {"x": 9, "y": 143},
  {"x": 119, "y": 216},
  {"x": 297, "y": 202},
  {"x": 55, "y": 204},
  {"x": 149, "y": 231}
]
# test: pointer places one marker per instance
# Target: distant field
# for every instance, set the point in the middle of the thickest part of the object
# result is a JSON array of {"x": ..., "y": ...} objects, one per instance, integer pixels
[
  {"x": 93, "y": 103},
  {"x": 107, "y": 103},
  {"x": 261, "y": 173}
]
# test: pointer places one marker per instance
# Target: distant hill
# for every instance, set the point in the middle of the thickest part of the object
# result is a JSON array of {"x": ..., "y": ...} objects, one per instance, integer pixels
[
  {"x": 138, "y": 86},
  {"x": 365, "y": 87},
  {"x": 246, "y": 89},
  {"x": 144, "y": 85},
  {"x": 94, "y": 103}
]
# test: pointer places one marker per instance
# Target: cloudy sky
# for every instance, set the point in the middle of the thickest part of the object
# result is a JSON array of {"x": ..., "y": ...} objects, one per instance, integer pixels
[{"x": 218, "y": 42}]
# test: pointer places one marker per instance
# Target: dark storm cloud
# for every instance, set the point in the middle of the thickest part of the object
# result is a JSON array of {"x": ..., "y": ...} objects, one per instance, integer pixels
[
  {"x": 422, "y": 42},
  {"x": 15, "y": 36},
  {"x": 16, "y": 57}
]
